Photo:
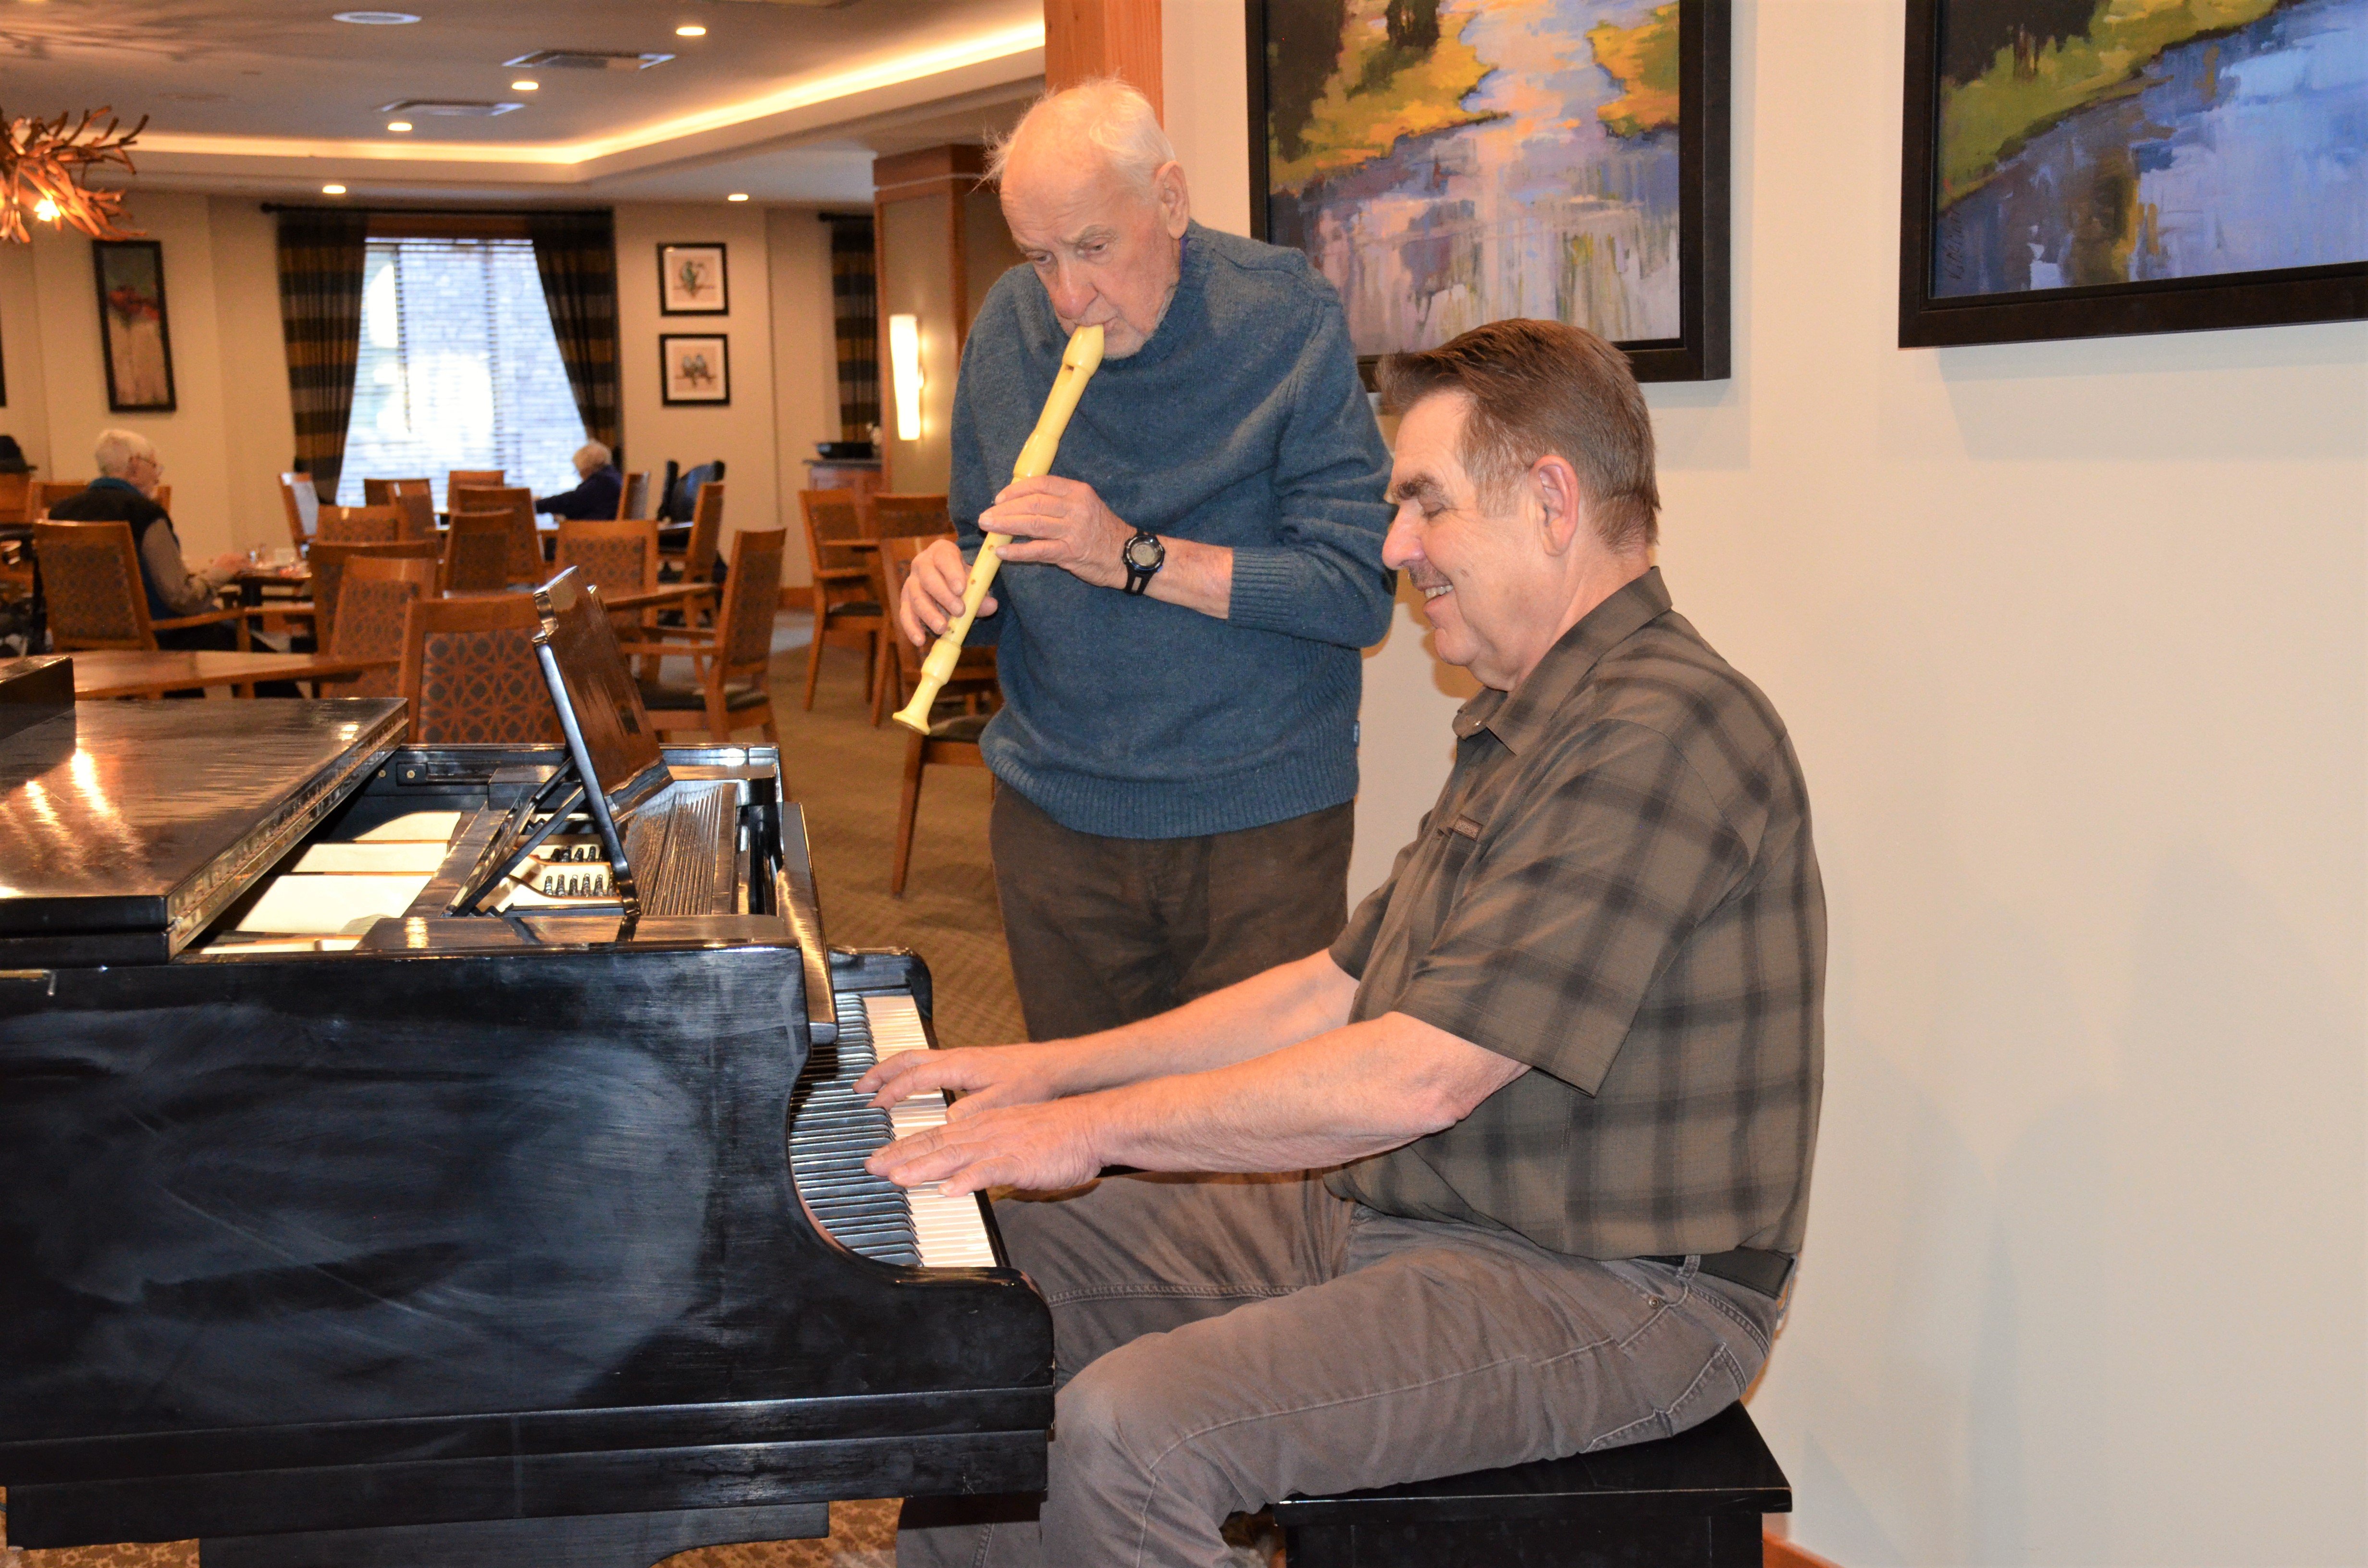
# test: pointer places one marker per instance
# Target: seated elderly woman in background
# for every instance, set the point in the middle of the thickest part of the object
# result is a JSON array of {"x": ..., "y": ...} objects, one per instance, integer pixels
[
  {"x": 125, "y": 492},
  {"x": 597, "y": 495}
]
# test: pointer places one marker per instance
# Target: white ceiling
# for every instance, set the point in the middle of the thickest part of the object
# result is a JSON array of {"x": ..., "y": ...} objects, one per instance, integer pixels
[{"x": 786, "y": 100}]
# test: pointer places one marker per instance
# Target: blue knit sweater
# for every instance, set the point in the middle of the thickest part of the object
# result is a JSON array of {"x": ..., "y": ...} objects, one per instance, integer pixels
[{"x": 1240, "y": 422}]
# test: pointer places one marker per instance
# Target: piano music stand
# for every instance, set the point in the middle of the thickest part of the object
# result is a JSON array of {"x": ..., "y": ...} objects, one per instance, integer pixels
[{"x": 614, "y": 766}]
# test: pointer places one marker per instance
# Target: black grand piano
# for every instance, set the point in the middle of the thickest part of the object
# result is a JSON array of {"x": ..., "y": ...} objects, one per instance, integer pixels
[{"x": 445, "y": 1155}]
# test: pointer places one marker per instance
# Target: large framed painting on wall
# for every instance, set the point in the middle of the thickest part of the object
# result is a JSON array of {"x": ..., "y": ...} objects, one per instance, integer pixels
[
  {"x": 134, "y": 334},
  {"x": 2084, "y": 168},
  {"x": 1448, "y": 163}
]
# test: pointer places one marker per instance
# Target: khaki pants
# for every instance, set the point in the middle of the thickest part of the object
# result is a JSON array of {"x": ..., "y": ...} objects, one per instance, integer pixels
[
  {"x": 1107, "y": 931},
  {"x": 1223, "y": 1342}
]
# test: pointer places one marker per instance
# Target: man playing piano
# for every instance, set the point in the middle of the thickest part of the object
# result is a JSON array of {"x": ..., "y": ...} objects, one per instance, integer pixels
[
  {"x": 1563, "y": 1067},
  {"x": 1179, "y": 617}
]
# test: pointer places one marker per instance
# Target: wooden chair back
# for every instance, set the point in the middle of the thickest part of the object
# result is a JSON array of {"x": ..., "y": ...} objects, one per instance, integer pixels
[
  {"x": 834, "y": 522},
  {"x": 359, "y": 525},
  {"x": 372, "y": 609},
  {"x": 90, "y": 579},
  {"x": 16, "y": 493},
  {"x": 752, "y": 594},
  {"x": 333, "y": 562},
  {"x": 302, "y": 505},
  {"x": 477, "y": 552},
  {"x": 621, "y": 557},
  {"x": 634, "y": 500},
  {"x": 706, "y": 532},
  {"x": 382, "y": 491},
  {"x": 48, "y": 493},
  {"x": 470, "y": 675},
  {"x": 415, "y": 506},
  {"x": 526, "y": 545},
  {"x": 900, "y": 516},
  {"x": 469, "y": 479}
]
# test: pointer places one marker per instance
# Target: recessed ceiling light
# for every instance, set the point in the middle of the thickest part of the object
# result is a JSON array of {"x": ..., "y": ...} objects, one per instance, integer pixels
[
  {"x": 737, "y": 195},
  {"x": 691, "y": 30},
  {"x": 333, "y": 191},
  {"x": 525, "y": 86},
  {"x": 398, "y": 125},
  {"x": 375, "y": 18}
]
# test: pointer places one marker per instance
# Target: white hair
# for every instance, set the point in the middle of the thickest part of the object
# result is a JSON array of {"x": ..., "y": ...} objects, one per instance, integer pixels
[
  {"x": 117, "y": 448},
  {"x": 1111, "y": 117},
  {"x": 591, "y": 458}
]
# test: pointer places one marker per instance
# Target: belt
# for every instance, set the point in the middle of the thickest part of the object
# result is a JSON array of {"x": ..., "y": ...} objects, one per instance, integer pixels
[{"x": 1748, "y": 1266}]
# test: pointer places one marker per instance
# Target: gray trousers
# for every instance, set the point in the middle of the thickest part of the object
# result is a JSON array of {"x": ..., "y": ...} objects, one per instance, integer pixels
[
  {"x": 1223, "y": 1342},
  {"x": 1107, "y": 931}
]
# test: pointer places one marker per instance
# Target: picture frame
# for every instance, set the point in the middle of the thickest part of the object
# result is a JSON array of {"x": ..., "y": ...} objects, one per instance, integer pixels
[
  {"x": 695, "y": 369},
  {"x": 134, "y": 328},
  {"x": 1675, "y": 325},
  {"x": 2016, "y": 203},
  {"x": 693, "y": 280}
]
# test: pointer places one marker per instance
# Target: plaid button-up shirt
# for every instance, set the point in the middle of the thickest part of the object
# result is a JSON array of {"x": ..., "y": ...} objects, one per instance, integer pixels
[{"x": 1617, "y": 888}]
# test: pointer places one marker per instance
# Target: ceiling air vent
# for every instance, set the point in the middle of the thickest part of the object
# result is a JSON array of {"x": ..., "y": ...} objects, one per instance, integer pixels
[
  {"x": 447, "y": 108},
  {"x": 587, "y": 60}
]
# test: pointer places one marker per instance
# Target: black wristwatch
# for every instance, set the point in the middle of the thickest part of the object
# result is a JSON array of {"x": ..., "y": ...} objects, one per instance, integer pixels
[{"x": 1142, "y": 556}]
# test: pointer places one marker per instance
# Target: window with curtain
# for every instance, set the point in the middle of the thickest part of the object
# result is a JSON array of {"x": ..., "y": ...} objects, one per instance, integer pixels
[{"x": 458, "y": 368}]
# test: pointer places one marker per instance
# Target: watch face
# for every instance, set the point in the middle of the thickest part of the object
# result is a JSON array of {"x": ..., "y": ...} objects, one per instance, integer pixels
[{"x": 1145, "y": 554}]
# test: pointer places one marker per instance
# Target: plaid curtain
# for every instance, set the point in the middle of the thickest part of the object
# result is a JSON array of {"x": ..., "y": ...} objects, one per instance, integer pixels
[
  {"x": 321, "y": 258},
  {"x": 576, "y": 255},
  {"x": 855, "y": 300}
]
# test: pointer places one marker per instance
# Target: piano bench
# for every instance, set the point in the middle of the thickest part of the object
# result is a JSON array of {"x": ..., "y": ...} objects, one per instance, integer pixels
[{"x": 1691, "y": 1501}]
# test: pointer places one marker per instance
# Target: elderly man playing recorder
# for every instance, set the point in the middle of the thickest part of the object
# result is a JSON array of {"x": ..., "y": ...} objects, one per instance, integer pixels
[
  {"x": 1564, "y": 1065},
  {"x": 1179, "y": 617}
]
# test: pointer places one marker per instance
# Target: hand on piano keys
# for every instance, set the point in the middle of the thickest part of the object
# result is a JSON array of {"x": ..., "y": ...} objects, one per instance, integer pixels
[{"x": 1038, "y": 1146}]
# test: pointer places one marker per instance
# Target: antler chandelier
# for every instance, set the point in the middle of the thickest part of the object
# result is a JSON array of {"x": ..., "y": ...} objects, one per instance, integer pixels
[{"x": 44, "y": 165}]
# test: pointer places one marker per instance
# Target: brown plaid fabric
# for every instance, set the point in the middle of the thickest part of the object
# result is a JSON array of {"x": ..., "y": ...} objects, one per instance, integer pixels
[{"x": 1616, "y": 887}]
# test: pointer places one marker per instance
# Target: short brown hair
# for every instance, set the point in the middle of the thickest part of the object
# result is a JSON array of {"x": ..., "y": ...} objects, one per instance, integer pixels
[{"x": 1538, "y": 387}]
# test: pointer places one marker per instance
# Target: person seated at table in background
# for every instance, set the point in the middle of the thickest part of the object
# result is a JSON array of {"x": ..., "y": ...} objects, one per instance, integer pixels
[
  {"x": 125, "y": 492},
  {"x": 597, "y": 495}
]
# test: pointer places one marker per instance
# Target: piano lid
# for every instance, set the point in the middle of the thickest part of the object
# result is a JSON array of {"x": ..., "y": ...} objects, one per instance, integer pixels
[{"x": 151, "y": 816}]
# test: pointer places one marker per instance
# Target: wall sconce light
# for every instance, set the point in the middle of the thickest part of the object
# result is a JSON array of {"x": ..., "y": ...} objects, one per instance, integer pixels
[{"x": 904, "y": 363}]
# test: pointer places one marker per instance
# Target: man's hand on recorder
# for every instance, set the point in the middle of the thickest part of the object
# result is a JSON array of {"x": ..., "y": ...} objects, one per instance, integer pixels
[
  {"x": 933, "y": 593},
  {"x": 1061, "y": 522}
]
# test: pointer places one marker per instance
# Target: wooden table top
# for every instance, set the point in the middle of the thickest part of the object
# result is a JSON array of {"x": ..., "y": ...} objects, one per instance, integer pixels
[{"x": 120, "y": 672}]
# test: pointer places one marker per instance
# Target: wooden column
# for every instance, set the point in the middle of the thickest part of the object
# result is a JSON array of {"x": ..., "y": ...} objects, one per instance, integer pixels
[{"x": 1104, "y": 38}]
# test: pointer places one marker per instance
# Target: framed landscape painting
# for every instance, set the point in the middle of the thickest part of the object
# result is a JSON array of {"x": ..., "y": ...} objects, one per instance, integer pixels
[
  {"x": 1449, "y": 163},
  {"x": 134, "y": 337},
  {"x": 692, "y": 281},
  {"x": 2085, "y": 168},
  {"x": 697, "y": 370}
]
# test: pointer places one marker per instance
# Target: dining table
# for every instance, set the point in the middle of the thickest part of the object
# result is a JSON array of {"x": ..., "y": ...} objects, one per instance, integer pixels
[{"x": 130, "y": 672}]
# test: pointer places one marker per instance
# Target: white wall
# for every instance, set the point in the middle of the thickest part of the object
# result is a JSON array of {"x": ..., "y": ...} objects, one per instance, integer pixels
[
  {"x": 804, "y": 363},
  {"x": 2073, "y": 642}
]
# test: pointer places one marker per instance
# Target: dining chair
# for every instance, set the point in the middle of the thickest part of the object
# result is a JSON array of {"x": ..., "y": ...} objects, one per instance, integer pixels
[
  {"x": 634, "y": 498},
  {"x": 373, "y": 607},
  {"x": 470, "y": 478},
  {"x": 382, "y": 491},
  {"x": 90, "y": 579},
  {"x": 332, "y": 562},
  {"x": 477, "y": 552},
  {"x": 845, "y": 608},
  {"x": 526, "y": 563},
  {"x": 358, "y": 525},
  {"x": 48, "y": 493},
  {"x": 952, "y": 741},
  {"x": 621, "y": 557},
  {"x": 730, "y": 661},
  {"x": 897, "y": 515},
  {"x": 416, "y": 506},
  {"x": 706, "y": 531},
  {"x": 470, "y": 675},
  {"x": 302, "y": 505},
  {"x": 16, "y": 497}
]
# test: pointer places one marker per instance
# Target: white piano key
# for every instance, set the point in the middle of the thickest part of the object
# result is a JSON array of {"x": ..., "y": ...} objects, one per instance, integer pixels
[{"x": 950, "y": 1231}]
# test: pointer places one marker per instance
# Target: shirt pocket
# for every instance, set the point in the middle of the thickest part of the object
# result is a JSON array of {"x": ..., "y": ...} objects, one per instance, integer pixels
[{"x": 1453, "y": 846}]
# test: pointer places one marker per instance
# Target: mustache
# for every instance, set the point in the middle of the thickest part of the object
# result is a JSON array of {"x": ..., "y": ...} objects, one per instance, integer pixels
[{"x": 1425, "y": 579}]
